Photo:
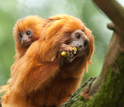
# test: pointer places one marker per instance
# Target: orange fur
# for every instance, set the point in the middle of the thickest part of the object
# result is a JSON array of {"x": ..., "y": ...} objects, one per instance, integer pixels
[{"x": 39, "y": 81}]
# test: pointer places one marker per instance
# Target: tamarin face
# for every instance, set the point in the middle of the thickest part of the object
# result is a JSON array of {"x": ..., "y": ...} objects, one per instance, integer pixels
[
  {"x": 25, "y": 37},
  {"x": 27, "y": 30},
  {"x": 79, "y": 41}
]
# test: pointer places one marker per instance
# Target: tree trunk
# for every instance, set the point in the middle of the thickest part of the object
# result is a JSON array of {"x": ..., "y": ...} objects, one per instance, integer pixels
[{"x": 106, "y": 90}]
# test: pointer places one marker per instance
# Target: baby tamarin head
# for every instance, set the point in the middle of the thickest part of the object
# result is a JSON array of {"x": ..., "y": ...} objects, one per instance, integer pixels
[{"x": 27, "y": 30}]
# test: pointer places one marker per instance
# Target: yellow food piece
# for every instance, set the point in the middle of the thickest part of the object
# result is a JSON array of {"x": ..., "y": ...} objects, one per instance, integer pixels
[
  {"x": 75, "y": 49},
  {"x": 64, "y": 53}
]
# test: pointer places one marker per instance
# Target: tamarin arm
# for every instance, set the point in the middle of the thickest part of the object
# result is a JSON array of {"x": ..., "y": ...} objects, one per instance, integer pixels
[
  {"x": 35, "y": 76},
  {"x": 30, "y": 74}
]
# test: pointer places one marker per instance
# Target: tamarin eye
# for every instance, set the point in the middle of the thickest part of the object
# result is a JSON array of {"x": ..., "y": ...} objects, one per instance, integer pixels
[
  {"x": 77, "y": 35},
  {"x": 28, "y": 32},
  {"x": 82, "y": 30},
  {"x": 20, "y": 35}
]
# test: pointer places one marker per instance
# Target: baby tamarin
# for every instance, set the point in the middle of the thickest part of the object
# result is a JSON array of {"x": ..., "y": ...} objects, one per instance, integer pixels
[
  {"x": 43, "y": 77},
  {"x": 25, "y": 32}
]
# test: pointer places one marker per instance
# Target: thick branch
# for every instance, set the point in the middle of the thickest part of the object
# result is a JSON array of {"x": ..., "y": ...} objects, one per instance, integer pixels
[
  {"x": 74, "y": 101},
  {"x": 116, "y": 13},
  {"x": 113, "y": 10}
]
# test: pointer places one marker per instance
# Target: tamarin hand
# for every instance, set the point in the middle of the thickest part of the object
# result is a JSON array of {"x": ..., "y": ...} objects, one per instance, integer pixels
[
  {"x": 68, "y": 52},
  {"x": 64, "y": 53}
]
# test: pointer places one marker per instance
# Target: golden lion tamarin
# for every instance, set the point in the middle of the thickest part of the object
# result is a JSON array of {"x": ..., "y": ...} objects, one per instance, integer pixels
[
  {"x": 26, "y": 31},
  {"x": 45, "y": 78}
]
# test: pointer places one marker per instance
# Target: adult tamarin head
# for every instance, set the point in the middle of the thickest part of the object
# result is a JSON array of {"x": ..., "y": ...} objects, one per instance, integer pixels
[{"x": 65, "y": 29}]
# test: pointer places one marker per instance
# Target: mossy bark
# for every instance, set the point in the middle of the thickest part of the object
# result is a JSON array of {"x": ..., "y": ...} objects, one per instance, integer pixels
[{"x": 111, "y": 92}]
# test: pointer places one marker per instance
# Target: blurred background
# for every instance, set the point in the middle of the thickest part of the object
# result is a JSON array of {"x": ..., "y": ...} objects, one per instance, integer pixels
[{"x": 12, "y": 10}]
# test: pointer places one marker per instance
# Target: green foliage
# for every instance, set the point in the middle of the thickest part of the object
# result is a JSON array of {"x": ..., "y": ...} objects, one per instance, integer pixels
[{"x": 11, "y": 11}]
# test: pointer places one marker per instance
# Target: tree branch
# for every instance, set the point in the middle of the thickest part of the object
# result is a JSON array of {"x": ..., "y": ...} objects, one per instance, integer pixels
[
  {"x": 116, "y": 13},
  {"x": 74, "y": 99},
  {"x": 113, "y": 10}
]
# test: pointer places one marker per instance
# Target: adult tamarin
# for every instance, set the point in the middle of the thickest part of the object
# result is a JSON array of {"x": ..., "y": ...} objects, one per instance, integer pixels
[{"x": 45, "y": 78}]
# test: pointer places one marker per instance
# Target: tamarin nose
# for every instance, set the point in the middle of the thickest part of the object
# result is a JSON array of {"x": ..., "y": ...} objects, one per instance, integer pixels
[{"x": 86, "y": 42}]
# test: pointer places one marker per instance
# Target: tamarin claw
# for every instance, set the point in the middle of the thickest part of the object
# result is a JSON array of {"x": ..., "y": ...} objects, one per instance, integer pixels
[{"x": 64, "y": 53}]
